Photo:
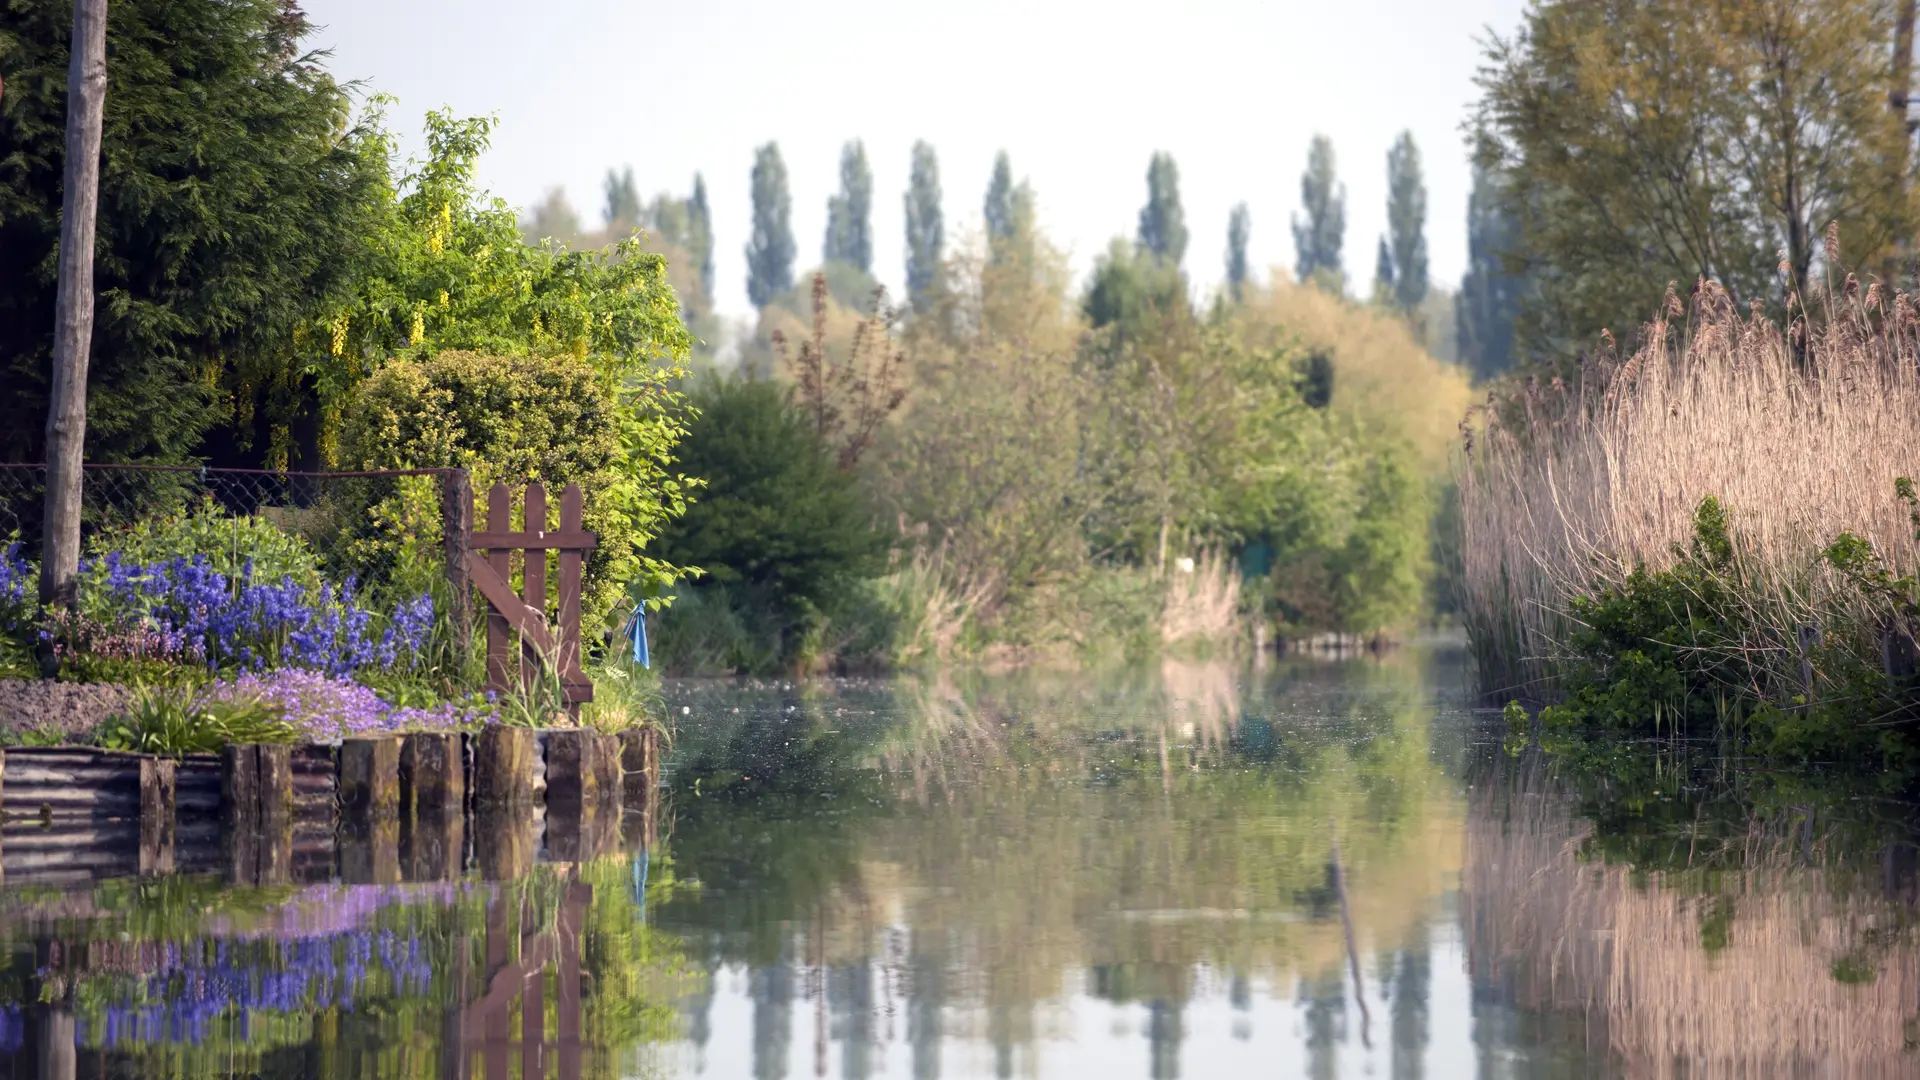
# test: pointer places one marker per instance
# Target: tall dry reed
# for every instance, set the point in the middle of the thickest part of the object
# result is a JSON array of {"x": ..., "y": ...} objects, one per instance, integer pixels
[{"x": 1567, "y": 486}]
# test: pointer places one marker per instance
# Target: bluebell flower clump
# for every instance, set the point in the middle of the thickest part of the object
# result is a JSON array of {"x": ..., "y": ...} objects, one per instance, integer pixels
[
  {"x": 250, "y": 625},
  {"x": 18, "y": 581}
]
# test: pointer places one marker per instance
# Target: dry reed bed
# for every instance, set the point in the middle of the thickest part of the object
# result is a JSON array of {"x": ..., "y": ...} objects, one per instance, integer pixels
[
  {"x": 1557, "y": 933},
  {"x": 1799, "y": 432}
]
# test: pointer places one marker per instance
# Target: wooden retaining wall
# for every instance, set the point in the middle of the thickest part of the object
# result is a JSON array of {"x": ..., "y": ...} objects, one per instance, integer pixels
[{"x": 373, "y": 810}]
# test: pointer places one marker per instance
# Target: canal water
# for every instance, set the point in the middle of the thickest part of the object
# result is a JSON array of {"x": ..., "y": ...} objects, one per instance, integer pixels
[{"x": 1182, "y": 869}]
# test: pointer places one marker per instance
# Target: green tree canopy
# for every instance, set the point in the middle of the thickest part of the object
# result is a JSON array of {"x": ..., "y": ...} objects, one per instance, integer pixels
[
  {"x": 1643, "y": 142},
  {"x": 622, "y": 212},
  {"x": 926, "y": 228},
  {"x": 1407, "y": 223},
  {"x": 999, "y": 202},
  {"x": 1163, "y": 223},
  {"x": 850, "y": 213},
  {"x": 1239, "y": 230},
  {"x": 1318, "y": 239},
  {"x": 777, "y": 515},
  {"x": 235, "y": 198},
  {"x": 1490, "y": 294},
  {"x": 770, "y": 251}
]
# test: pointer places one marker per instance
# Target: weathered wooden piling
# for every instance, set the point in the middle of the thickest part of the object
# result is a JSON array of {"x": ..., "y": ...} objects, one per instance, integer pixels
[
  {"x": 503, "y": 767},
  {"x": 259, "y": 851},
  {"x": 433, "y": 845},
  {"x": 505, "y": 842},
  {"x": 370, "y": 777},
  {"x": 157, "y": 777},
  {"x": 433, "y": 773},
  {"x": 574, "y": 767},
  {"x": 256, "y": 783},
  {"x": 639, "y": 758}
]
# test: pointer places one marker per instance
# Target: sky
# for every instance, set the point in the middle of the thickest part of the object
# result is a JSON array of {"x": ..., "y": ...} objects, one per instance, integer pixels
[{"x": 1080, "y": 95}]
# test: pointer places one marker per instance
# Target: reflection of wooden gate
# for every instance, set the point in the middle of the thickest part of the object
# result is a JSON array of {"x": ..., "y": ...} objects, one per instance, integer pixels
[
  {"x": 492, "y": 574},
  {"x": 482, "y": 1023}
]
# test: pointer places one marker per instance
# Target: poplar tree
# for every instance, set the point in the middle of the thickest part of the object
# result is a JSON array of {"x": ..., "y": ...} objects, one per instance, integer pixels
[
  {"x": 1490, "y": 295},
  {"x": 1163, "y": 223},
  {"x": 926, "y": 230},
  {"x": 850, "y": 213},
  {"x": 1407, "y": 223},
  {"x": 1239, "y": 228},
  {"x": 701, "y": 222},
  {"x": 770, "y": 250},
  {"x": 999, "y": 204},
  {"x": 1317, "y": 240},
  {"x": 623, "y": 209},
  {"x": 1383, "y": 277}
]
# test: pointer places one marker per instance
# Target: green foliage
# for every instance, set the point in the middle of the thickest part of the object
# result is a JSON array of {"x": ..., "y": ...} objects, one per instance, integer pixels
[
  {"x": 1642, "y": 143},
  {"x": 999, "y": 202},
  {"x": 1688, "y": 650},
  {"x": 779, "y": 521},
  {"x": 1239, "y": 230},
  {"x": 623, "y": 209},
  {"x": 770, "y": 250},
  {"x": 1317, "y": 240},
  {"x": 236, "y": 198},
  {"x": 1163, "y": 223},
  {"x": 1407, "y": 223},
  {"x": 228, "y": 542},
  {"x": 170, "y": 720},
  {"x": 1133, "y": 289},
  {"x": 926, "y": 229},
  {"x": 1490, "y": 293},
  {"x": 512, "y": 419},
  {"x": 850, "y": 213}
]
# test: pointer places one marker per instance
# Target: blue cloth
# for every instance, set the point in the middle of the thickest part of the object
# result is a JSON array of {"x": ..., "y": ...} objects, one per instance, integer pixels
[{"x": 637, "y": 633}]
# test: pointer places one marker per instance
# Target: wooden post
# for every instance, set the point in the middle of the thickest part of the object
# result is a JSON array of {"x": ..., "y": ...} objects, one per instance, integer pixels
[
  {"x": 572, "y": 774},
  {"x": 370, "y": 777},
  {"x": 638, "y": 750},
  {"x": 533, "y": 582},
  {"x": 370, "y": 852},
  {"x": 276, "y": 780},
  {"x": 499, "y": 520},
  {"x": 503, "y": 767},
  {"x": 504, "y": 840},
  {"x": 73, "y": 303},
  {"x": 433, "y": 845},
  {"x": 572, "y": 520},
  {"x": 433, "y": 774},
  {"x": 239, "y": 785},
  {"x": 156, "y": 814},
  {"x": 456, "y": 506}
]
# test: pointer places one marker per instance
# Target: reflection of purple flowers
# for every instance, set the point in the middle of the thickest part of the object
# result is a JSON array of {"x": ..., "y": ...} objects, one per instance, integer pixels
[
  {"x": 326, "y": 708},
  {"x": 312, "y": 953},
  {"x": 251, "y": 624}
]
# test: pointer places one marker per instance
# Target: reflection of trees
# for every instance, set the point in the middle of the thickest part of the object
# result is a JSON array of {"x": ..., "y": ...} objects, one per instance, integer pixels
[
  {"x": 1024, "y": 832},
  {"x": 1706, "y": 935}
]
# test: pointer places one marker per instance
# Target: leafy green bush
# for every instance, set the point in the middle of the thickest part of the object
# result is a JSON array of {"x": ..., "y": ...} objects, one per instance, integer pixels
[
  {"x": 1692, "y": 650},
  {"x": 784, "y": 532},
  {"x": 511, "y": 419},
  {"x": 228, "y": 542}
]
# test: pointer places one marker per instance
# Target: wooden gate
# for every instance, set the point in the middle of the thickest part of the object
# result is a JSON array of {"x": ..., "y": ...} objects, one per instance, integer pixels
[{"x": 526, "y": 614}]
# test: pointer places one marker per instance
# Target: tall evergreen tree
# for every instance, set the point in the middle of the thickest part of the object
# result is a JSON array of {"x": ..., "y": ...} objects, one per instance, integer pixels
[
  {"x": 1490, "y": 296},
  {"x": 1317, "y": 240},
  {"x": 926, "y": 229},
  {"x": 701, "y": 215},
  {"x": 1239, "y": 229},
  {"x": 770, "y": 250},
  {"x": 1163, "y": 223},
  {"x": 1383, "y": 277},
  {"x": 850, "y": 213},
  {"x": 623, "y": 208},
  {"x": 211, "y": 249},
  {"x": 999, "y": 205},
  {"x": 1407, "y": 222}
]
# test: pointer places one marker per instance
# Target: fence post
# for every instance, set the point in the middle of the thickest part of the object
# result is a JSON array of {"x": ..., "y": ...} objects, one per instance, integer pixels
[{"x": 456, "y": 505}]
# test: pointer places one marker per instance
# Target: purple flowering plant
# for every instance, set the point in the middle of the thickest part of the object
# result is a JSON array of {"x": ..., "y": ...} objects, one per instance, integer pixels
[
  {"x": 327, "y": 708},
  {"x": 241, "y": 623}
]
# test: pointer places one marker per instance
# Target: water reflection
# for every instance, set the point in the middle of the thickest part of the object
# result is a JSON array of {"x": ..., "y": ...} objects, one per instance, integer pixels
[{"x": 1137, "y": 875}]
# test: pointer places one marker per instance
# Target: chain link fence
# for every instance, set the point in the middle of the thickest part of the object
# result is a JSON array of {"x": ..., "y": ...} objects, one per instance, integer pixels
[{"x": 393, "y": 533}]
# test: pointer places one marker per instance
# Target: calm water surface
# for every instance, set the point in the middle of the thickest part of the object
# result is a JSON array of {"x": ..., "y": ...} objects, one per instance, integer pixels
[{"x": 1186, "y": 869}]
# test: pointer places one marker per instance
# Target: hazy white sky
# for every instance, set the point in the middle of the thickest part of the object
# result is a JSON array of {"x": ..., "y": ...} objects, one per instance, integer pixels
[{"x": 1079, "y": 94}]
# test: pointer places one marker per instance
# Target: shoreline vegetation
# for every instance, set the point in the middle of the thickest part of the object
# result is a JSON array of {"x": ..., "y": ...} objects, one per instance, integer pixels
[{"x": 1716, "y": 534}]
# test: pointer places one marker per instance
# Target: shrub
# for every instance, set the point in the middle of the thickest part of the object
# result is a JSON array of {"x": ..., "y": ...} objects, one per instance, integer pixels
[
  {"x": 177, "y": 720},
  {"x": 227, "y": 543},
  {"x": 780, "y": 524},
  {"x": 514, "y": 419}
]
